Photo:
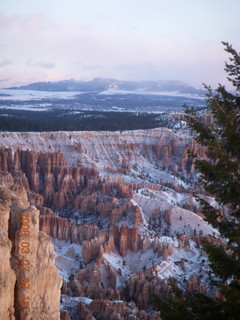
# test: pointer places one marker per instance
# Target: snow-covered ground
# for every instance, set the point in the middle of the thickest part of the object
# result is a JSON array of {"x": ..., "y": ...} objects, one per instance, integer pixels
[
  {"x": 69, "y": 257},
  {"x": 112, "y": 91},
  {"x": 27, "y": 95},
  {"x": 134, "y": 263}
]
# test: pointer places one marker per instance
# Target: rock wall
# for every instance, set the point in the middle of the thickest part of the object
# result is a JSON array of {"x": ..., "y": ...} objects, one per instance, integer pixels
[
  {"x": 142, "y": 285},
  {"x": 30, "y": 281},
  {"x": 7, "y": 275}
]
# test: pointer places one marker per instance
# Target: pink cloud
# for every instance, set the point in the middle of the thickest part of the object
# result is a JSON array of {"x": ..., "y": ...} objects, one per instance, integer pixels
[
  {"x": 5, "y": 63},
  {"x": 10, "y": 79},
  {"x": 32, "y": 25}
]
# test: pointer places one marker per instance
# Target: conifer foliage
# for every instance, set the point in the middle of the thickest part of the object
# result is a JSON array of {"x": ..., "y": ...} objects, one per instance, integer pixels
[{"x": 220, "y": 176}]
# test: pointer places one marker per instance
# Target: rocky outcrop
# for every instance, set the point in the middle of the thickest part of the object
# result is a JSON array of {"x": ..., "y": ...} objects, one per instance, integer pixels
[
  {"x": 7, "y": 279},
  {"x": 91, "y": 288},
  {"x": 173, "y": 154},
  {"x": 62, "y": 229},
  {"x": 194, "y": 284},
  {"x": 46, "y": 174},
  {"x": 32, "y": 283},
  {"x": 142, "y": 285},
  {"x": 112, "y": 310},
  {"x": 51, "y": 183},
  {"x": 91, "y": 249},
  {"x": 124, "y": 240},
  {"x": 102, "y": 206},
  {"x": 7, "y": 275},
  {"x": 84, "y": 312},
  {"x": 129, "y": 239},
  {"x": 65, "y": 315}
]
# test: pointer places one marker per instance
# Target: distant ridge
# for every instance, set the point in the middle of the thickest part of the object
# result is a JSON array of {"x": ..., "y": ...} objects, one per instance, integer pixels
[{"x": 100, "y": 85}]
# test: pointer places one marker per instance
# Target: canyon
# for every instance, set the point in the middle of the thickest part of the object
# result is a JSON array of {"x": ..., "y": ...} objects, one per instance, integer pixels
[{"x": 122, "y": 214}]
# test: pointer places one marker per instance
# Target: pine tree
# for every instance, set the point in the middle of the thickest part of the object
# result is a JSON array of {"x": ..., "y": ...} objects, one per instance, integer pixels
[{"x": 220, "y": 176}]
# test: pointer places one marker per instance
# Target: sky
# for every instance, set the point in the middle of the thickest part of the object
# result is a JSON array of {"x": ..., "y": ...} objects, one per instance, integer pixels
[{"x": 51, "y": 40}]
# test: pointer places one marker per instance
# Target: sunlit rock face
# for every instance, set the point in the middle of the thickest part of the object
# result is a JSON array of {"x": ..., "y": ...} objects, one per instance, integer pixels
[{"x": 36, "y": 281}]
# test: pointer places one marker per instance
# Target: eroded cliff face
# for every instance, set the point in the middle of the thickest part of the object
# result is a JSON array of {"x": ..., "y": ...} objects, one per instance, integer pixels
[
  {"x": 7, "y": 275},
  {"x": 63, "y": 169},
  {"x": 121, "y": 215},
  {"x": 110, "y": 151},
  {"x": 45, "y": 174},
  {"x": 30, "y": 281}
]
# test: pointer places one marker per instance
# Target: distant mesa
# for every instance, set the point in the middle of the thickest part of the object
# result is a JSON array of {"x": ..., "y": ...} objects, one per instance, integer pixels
[
  {"x": 101, "y": 84},
  {"x": 5, "y": 95}
]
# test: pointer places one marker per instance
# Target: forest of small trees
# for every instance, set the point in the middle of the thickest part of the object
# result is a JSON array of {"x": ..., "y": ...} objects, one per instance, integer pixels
[{"x": 64, "y": 120}]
